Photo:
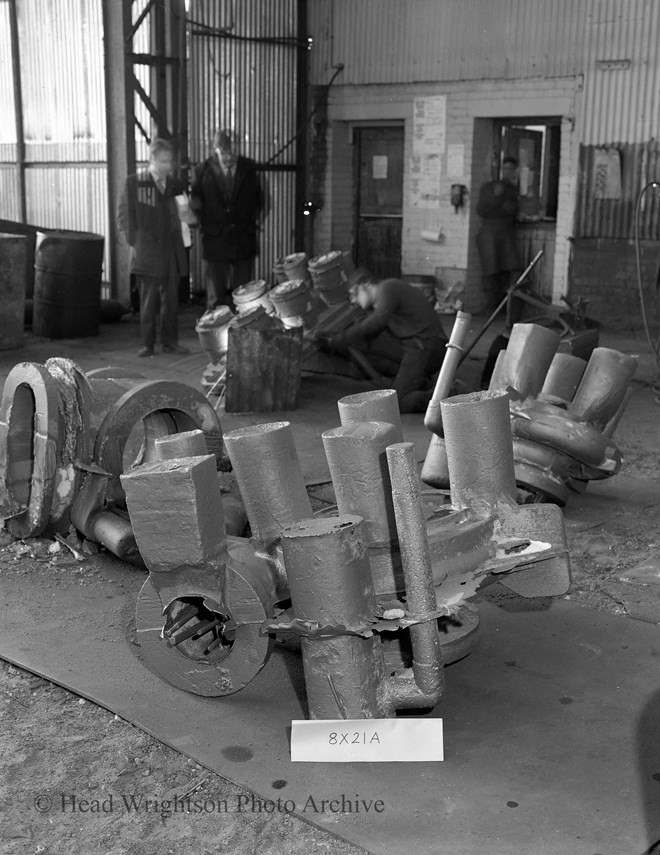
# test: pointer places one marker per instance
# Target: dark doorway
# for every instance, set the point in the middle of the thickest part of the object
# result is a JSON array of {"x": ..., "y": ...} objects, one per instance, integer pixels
[{"x": 379, "y": 213}]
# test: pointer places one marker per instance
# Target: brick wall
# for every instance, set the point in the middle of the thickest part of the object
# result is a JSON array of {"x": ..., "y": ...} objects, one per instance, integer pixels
[
  {"x": 605, "y": 273},
  {"x": 467, "y": 103}
]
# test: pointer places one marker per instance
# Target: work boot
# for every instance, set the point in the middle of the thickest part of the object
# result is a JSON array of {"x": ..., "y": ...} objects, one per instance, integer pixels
[
  {"x": 175, "y": 348},
  {"x": 145, "y": 351}
]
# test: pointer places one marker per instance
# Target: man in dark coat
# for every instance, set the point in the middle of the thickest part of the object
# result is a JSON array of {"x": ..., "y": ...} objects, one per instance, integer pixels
[
  {"x": 149, "y": 220},
  {"x": 229, "y": 201},
  {"x": 401, "y": 333},
  {"x": 496, "y": 240}
]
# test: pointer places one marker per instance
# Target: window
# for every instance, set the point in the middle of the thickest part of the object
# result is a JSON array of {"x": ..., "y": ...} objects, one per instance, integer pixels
[{"x": 535, "y": 145}]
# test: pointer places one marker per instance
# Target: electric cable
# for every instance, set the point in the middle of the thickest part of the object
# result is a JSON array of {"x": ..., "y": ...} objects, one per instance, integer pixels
[{"x": 655, "y": 346}]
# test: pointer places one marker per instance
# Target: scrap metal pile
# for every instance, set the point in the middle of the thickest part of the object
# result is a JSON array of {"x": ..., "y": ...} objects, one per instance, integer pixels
[
  {"x": 375, "y": 590},
  {"x": 364, "y": 588},
  {"x": 564, "y": 411}
]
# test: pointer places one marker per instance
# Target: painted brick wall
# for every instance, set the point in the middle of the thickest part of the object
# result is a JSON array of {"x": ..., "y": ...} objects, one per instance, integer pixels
[{"x": 354, "y": 105}]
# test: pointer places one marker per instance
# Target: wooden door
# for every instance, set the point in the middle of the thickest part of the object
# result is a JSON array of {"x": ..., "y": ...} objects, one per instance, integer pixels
[{"x": 379, "y": 214}]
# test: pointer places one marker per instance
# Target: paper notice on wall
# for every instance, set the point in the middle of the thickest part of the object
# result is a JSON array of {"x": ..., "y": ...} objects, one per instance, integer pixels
[
  {"x": 607, "y": 174},
  {"x": 429, "y": 125},
  {"x": 455, "y": 160},
  {"x": 425, "y": 181},
  {"x": 379, "y": 166}
]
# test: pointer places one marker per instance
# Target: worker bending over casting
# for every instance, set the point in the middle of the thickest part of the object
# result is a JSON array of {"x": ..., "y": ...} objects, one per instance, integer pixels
[{"x": 401, "y": 337}]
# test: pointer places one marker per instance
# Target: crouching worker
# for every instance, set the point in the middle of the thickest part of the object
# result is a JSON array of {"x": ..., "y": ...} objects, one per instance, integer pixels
[{"x": 401, "y": 337}]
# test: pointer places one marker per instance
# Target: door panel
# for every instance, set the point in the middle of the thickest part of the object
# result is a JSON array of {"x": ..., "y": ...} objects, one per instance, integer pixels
[
  {"x": 379, "y": 246},
  {"x": 379, "y": 199}
]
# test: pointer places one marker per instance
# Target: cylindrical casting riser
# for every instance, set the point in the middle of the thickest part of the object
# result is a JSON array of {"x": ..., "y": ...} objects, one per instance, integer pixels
[
  {"x": 381, "y": 405},
  {"x": 479, "y": 450},
  {"x": 528, "y": 357},
  {"x": 358, "y": 468},
  {"x": 603, "y": 386},
  {"x": 564, "y": 376},
  {"x": 269, "y": 476},
  {"x": 330, "y": 581}
]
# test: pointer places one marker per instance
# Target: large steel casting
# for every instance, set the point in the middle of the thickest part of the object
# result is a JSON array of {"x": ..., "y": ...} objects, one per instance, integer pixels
[{"x": 563, "y": 412}]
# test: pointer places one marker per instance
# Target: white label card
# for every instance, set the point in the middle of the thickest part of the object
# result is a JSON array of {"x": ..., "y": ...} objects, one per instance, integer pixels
[{"x": 374, "y": 740}]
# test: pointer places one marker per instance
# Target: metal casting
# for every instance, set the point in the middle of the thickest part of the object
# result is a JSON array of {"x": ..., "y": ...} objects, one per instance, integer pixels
[
  {"x": 435, "y": 471},
  {"x": 563, "y": 414},
  {"x": 199, "y": 614},
  {"x": 60, "y": 428}
]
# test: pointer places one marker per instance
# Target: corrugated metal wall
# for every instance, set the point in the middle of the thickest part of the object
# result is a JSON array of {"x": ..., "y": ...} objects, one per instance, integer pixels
[
  {"x": 621, "y": 111},
  {"x": 387, "y": 41},
  {"x": 614, "y": 218},
  {"x": 621, "y": 102},
  {"x": 243, "y": 75},
  {"x": 61, "y": 56}
]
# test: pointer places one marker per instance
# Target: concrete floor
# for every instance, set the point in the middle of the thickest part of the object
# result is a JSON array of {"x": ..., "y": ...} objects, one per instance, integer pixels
[{"x": 552, "y": 725}]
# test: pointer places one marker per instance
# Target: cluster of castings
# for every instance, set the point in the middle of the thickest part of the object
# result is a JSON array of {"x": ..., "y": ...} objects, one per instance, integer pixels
[
  {"x": 366, "y": 587},
  {"x": 564, "y": 411},
  {"x": 66, "y": 437}
]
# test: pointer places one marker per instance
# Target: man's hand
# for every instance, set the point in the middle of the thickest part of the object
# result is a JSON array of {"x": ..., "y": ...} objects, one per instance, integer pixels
[{"x": 498, "y": 189}]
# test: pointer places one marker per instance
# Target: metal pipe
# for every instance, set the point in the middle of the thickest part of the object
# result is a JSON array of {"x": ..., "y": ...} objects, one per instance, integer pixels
[
  {"x": 420, "y": 590},
  {"x": 331, "y": 586},
  {"x": 479, "y": 449},
  {"x": 603, "y": 386},
  {"x": 563, "y": 377},
  {"x": 269, "y": 476},
  {"x": 381, "y": 405},
  {"x": 529, "y": 354},
  {"x": 435, "y": 471},
  {"x": 511, "y": 292},
  {"x": 433, "y": 417}
]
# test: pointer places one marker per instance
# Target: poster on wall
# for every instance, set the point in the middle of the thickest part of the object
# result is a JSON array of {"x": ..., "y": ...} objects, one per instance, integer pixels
[
  {"x": 425, "y": 181},
  {"x": 607, "y": 174},
  {"x": 429, "y": 125}
]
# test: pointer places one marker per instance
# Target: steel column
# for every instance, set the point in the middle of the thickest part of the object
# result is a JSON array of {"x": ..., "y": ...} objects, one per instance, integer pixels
[
  {"x": 18, "y": 107},
  {"x": 120, "y": 131}
]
